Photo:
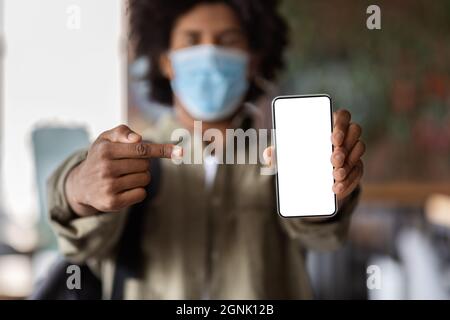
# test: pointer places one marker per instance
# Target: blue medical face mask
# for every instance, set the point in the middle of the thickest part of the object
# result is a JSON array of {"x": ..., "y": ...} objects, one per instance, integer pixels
[{"x": 209, "y": 81}]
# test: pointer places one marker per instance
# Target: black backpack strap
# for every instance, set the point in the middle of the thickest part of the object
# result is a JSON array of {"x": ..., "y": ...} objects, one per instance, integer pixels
[{"x": 129, "y": 257}]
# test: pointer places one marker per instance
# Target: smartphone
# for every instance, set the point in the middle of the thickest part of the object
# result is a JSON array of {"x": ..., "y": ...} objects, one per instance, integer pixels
[{"x": 303, "y": 126}]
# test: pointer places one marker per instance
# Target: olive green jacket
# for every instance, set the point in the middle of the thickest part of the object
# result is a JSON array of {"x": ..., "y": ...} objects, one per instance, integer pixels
[{"x": 223, "y": 242}]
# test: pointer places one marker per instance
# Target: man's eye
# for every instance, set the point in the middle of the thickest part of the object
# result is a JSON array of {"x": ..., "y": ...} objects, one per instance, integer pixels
[
  {"x": 191, "y": 41},
  {"x": 232, "y": 40},
  {"x": 229, "y": 40}
]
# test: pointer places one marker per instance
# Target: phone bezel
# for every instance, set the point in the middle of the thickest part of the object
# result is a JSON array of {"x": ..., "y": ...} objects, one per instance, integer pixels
[{"x": 275, "y": 143}]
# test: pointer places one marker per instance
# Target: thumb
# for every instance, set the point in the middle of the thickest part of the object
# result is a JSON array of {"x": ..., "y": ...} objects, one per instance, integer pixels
[{"x": 121, "y": 134}]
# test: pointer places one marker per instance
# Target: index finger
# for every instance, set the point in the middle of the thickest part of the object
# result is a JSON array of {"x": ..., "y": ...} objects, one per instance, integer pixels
[
  {"x": 341, "y": 121},
  {"x": 141, "y": 150}
]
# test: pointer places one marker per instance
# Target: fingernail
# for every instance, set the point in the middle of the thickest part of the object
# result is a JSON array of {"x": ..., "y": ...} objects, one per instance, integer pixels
[
  {"x": 177, "y": 152},
  {"x": 339, "y": 187},
  {"x": 339, "y": 157},
  {"x": 339, "y": 136},
  {"x": 133, "y": 136},
  {"x": 341, "y": 173},
  {"x": 266, "y": 157}
]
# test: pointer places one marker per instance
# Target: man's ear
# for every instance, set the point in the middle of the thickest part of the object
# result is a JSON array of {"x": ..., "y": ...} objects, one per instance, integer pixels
[{"x": 166, "y": 66}]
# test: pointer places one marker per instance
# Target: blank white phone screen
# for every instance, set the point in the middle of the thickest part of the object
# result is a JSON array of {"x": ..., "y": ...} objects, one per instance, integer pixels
[{"x": 303, "y": 151}]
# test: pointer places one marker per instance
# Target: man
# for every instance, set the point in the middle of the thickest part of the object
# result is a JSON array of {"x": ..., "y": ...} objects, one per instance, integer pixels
[{"x": 211, "y": 231}]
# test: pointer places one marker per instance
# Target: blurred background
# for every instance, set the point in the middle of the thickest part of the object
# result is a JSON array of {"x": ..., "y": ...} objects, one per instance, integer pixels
[{"x": 68, "y": 74}]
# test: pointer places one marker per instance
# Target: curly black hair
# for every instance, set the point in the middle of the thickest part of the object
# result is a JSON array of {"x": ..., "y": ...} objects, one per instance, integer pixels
[{"x": 151, "y": 23}]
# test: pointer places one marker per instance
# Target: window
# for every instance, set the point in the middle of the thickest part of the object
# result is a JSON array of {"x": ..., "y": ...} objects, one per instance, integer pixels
[{"x": 62, "y": 65}]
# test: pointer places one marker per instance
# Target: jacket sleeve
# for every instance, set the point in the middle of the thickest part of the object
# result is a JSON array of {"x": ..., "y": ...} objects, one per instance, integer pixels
[
  {"x": 326, "y": 234},
  {"x": 80, "y": 239}
]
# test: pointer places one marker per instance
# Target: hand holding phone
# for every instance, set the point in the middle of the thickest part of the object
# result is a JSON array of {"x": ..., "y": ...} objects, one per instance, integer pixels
[
  {"x": 304, "y": 180},
  {"x": 347, "y": 153}
]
